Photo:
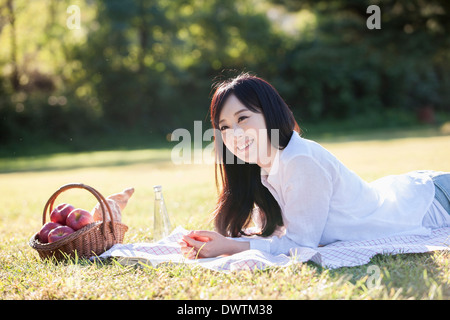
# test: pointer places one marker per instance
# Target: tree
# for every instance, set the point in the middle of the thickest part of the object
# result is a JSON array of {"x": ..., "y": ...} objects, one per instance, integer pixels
[{"x": 348, "y": 69}]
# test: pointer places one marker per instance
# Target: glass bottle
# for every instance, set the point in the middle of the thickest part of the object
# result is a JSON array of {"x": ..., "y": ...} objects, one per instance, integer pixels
[{"x": 161, "y": 222}]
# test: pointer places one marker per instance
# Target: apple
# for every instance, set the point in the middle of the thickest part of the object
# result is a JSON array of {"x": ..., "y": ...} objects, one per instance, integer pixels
[
  {"x": 46, "y": 228},
  {"x": 58, "y": 233},
  {"x": 60, "y": 213},
  {"x": 79, "y": 218}
]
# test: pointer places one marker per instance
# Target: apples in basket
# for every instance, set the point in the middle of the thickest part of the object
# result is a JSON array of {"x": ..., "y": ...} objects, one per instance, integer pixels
[{"x": 75, "y": 231}]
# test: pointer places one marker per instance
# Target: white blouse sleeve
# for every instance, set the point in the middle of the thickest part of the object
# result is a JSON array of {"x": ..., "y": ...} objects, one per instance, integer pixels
[{"x": 305, "y": 200}]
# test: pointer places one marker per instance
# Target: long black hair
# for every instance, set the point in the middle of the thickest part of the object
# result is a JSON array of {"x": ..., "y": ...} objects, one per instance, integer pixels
[{"x": 240, "y": 187}]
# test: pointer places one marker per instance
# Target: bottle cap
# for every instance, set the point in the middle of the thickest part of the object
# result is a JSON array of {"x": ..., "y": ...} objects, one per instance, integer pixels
[{"x": 157, "y": 188}]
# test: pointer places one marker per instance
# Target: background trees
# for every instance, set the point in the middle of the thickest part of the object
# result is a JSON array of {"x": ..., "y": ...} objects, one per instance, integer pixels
[{"x": 145, "y": 67}]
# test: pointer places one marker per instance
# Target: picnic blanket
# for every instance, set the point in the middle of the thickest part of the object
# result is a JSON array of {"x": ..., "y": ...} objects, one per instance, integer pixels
[{"x": 335, "y": 255}]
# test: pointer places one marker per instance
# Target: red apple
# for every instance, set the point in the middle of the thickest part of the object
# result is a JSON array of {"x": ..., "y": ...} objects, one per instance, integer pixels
[
  {"x": 46, "y": 228},
  {"x": 58, "y": 233},
  {"x": 79, "y": 218},
  {"x": 60, "y": 213}
]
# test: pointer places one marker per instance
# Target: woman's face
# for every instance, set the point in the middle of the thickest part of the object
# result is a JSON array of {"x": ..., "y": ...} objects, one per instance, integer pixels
[{"x": 244, "y": 133}]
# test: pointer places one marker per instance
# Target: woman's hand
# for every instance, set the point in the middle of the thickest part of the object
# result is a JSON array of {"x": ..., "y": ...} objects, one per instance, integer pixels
[{"x": 208, "y": 244}]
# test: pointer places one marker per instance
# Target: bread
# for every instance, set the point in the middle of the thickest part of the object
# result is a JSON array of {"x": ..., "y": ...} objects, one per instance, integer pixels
[{"x": 117, "y": 202}]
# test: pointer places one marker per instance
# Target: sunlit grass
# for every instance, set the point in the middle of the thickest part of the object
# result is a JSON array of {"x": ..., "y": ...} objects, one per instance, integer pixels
[{"x": 190, "y": 194}]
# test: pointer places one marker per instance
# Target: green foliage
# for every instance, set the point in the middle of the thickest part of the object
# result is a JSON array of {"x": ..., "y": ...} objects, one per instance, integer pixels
[
  {"x": 147, "y": 66},
  {"x": 349, "y": 70}
]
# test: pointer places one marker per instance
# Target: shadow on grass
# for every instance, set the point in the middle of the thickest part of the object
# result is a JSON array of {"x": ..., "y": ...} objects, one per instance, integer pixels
[
  {"x": 385, "y": 134},
  {"x": 410, "y": 274},
  {"x": 100, "y": 159}
]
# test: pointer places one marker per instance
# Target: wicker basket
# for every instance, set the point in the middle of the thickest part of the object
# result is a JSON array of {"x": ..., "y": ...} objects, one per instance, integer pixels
[{"x": 93, "y": 239}]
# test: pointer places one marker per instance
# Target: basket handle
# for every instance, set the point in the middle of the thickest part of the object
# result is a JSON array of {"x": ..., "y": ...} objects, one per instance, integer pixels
[{"x": 49, "y": 205}]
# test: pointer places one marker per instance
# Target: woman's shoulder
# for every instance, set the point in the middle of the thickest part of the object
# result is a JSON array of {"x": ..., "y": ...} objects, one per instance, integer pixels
[
  {"x": 301, "y": 148},
  {"x": 308, "y": 155}
]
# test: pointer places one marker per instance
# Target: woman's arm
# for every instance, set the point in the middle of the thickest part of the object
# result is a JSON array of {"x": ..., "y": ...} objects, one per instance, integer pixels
[
  {"x": 208, "y": 244},
  {"x": 306, "y": 194}
]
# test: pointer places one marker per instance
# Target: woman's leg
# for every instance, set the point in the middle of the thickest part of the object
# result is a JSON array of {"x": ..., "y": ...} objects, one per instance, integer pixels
[{"x": 442, "y": 184}]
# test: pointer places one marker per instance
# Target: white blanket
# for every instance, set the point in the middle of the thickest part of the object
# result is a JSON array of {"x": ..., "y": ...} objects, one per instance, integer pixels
[{"x": 335, "y": 255}]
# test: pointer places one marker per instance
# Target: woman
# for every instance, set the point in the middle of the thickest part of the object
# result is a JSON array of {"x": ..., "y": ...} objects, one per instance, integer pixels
[{"x": 296, "y": 191}]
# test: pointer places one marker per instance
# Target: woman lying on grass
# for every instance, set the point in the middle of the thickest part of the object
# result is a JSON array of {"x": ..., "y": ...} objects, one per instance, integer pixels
[{"x": 297, "y": 192}]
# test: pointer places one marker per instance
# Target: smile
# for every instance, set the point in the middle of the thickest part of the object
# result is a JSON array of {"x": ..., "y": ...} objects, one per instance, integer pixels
[{"x": 246, "y": 145}]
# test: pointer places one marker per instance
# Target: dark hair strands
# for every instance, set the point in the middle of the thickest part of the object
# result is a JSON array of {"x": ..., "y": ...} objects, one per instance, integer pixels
[{"x": 240, "y": 187}]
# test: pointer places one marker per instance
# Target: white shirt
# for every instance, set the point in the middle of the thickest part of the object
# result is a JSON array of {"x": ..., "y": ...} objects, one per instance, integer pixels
[{"x": 322, "y": 201}]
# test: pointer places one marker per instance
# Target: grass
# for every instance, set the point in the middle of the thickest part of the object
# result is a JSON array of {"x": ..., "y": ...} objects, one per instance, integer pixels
[{"x": 26, "y": 184}]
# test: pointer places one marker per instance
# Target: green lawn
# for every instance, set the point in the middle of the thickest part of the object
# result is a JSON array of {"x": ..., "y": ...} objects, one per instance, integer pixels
[{"x": 26, "y": 184}]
